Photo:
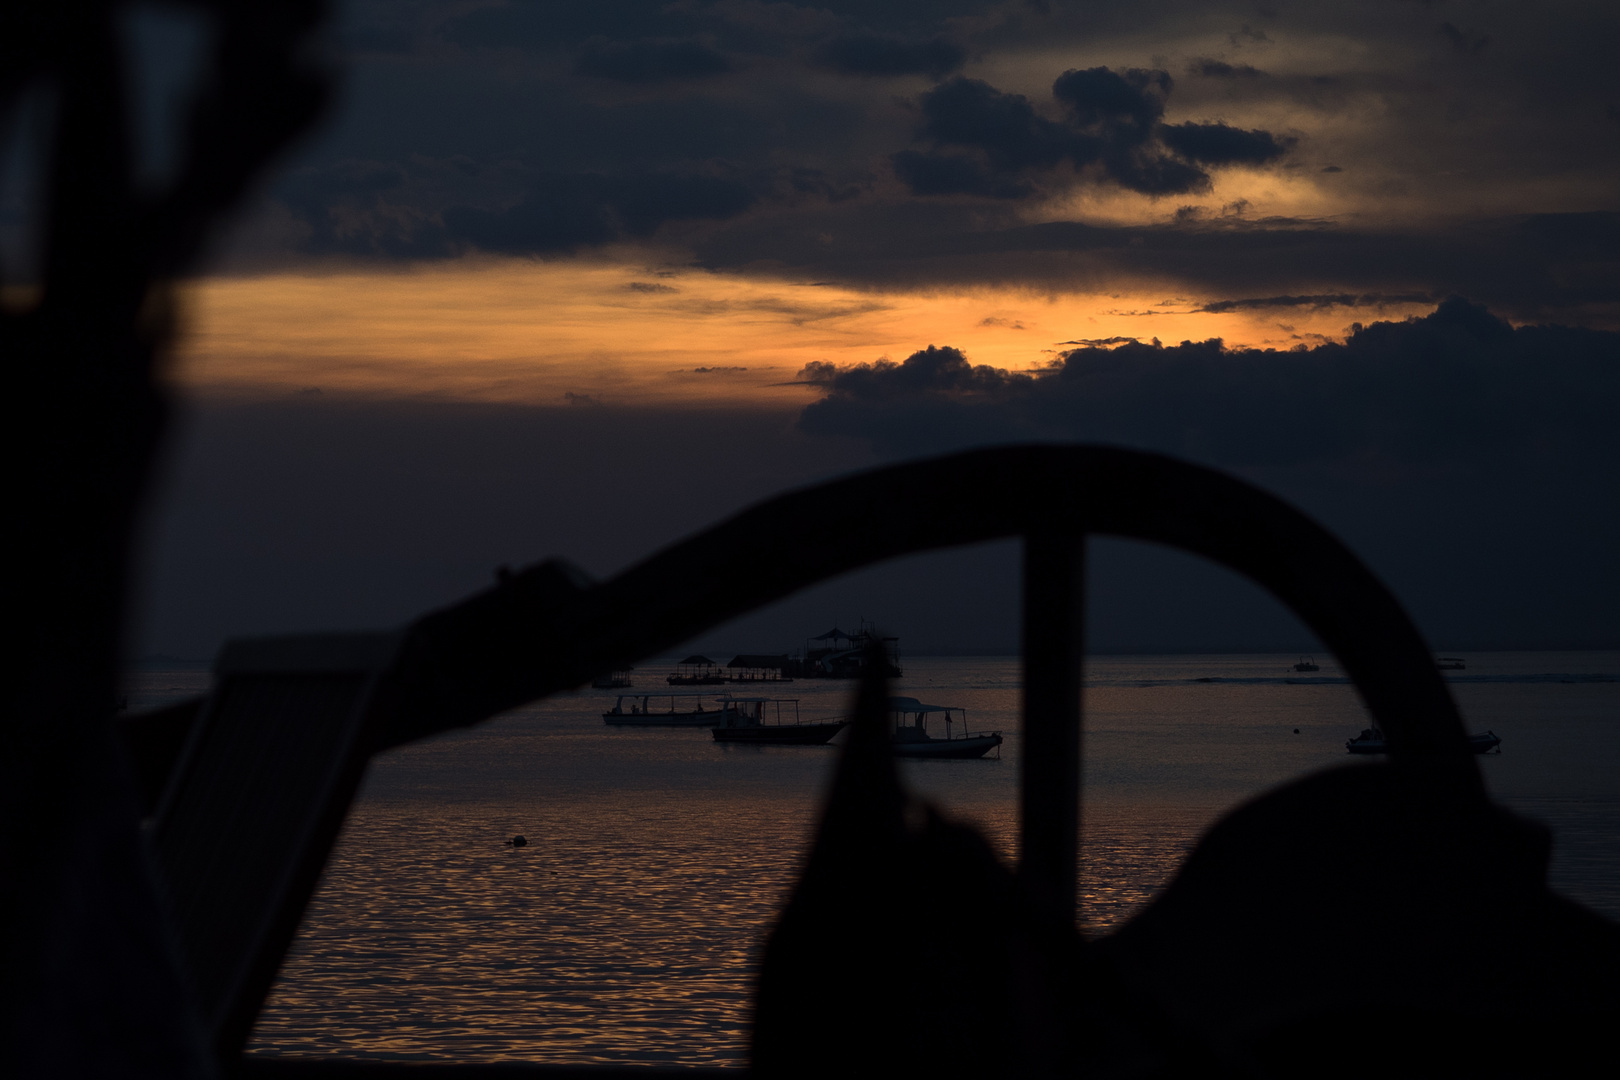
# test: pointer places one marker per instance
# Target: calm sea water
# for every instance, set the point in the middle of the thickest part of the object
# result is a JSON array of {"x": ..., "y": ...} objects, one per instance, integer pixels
[{"x": 627, "y": 929}]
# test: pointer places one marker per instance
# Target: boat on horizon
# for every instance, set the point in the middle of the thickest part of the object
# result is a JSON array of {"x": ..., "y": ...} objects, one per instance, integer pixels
[
  {"x": 772, "y": 721},
  {"x": 1372, "y": 741},
  {"x": 668, "y": 708},
  {"x": 759, "y": 668},
  {"x": 617, "y": 679},
  {"x": 838, "y": 654},
  {"x": 1450, "y": 663},
  {"x": 909, "y": 735},
  {"x": 1307, "y": 663},
  {"x": 697, "y": 670}
]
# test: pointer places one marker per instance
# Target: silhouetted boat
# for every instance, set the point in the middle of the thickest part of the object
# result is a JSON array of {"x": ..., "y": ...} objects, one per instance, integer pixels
[
  {"x": 840, "y": 655},
  {"x": 1307, "y": 663},
  {"x": 697, "y": 671},
  {"x": 613, "y": 680},
  {"x": 1372, "y": 741},
  {"x": 667, "y": 709},
  {"x": 908, "y": 720},
  {"x": 760, "y": 720},
  {"x": 1450, "y": 663},
  {"x": 758, "y": 668}
]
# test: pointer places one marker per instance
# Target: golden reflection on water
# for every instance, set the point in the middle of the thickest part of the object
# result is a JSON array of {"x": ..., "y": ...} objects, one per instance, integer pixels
[
  {"x": 629, "y": 927},
  {"x": 617, "y": 935}
]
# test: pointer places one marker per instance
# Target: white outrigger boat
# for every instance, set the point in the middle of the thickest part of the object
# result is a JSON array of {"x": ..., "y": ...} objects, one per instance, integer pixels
[
  {"x": 908, "y": 730},
  {"x": 1372, "y": 741},
  {"x": 672, "y": 708}
]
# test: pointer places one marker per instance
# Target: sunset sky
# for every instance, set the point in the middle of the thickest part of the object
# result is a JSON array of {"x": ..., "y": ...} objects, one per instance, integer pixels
[{"x": 578, "y": 279}]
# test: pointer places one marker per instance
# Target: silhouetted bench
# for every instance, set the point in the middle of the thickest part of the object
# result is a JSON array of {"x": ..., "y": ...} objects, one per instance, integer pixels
[{"x": 270, "y": 765}]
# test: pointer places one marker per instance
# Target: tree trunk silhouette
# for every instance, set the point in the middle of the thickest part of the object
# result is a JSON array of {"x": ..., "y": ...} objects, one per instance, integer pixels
[{"x": 87, "y": 964}]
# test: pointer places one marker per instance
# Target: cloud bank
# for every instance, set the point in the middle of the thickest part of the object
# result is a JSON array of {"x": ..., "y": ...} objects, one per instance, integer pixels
[
  {"x": 1473, "y": 464},
  {"x": 1457, "y": 387}
]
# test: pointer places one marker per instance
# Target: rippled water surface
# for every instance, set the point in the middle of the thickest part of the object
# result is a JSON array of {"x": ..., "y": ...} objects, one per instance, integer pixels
[{"x": 627, "y": 929}]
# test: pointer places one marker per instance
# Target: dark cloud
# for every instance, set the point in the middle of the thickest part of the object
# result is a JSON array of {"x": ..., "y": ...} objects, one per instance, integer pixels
[
  {"x": 488, "y": 109},
  {"x": 1220, "y": 69},
  {"x": 1005, "y": 127},
  {"x": 452, "y": 145},
  {"x": 1123, "y": 106},
  {"x": 564, "y": 212},
  {"x": 1457, "y": 385},
  {"x": 1541, "y": 267},
  {"x": 1217, "y": 144},
  {"x": 1110, "y": 118},
  {"x": 1102, "y": 343},
  {"x": 871, "y": 54},
  {"x": 955, "y": 174},
  {"x": 646, "y": 62},
  {"x": 926, "y": 372},
  {"x": 1317, "y": 301},
  {"x": 1153, "y": 174}
]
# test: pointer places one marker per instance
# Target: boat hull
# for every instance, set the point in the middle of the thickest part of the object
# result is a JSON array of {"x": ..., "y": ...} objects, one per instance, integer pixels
[
  {"x": 780, "y": 734},
  {"x": 972, "y": 746},
  {"x": 671, "y": 719}
]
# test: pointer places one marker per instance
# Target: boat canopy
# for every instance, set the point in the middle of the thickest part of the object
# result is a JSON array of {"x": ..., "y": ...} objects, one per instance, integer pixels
[
  {"x": 833, "y": 633},
  {"x": 696, "y": 659},
  {"x": 911, "y": 704},
  {"x": 630, "y": 694}
]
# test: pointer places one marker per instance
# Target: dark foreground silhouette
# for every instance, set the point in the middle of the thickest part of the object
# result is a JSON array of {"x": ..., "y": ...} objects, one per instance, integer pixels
[
  {"x": 1361, "y": 921},
  {"x": 87, "y": 969}
]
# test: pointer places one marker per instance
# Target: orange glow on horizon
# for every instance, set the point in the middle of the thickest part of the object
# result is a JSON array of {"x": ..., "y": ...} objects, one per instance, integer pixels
[{"x": 614, "y": 332}]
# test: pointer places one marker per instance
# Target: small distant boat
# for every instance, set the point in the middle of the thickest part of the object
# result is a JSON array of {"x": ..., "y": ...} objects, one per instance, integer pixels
[
  {"x": 773, "y": 721},
  {"x": 758, "y": 668},
  {"x": 697, "y": 671},
  {"x": 908, "y": 720},
  {"x": 1372, "y": 741},
  {"x": 1450, "y": 663},
  {"x": 618, "y": 679},
  {"x": 1307, "y": 663},
  {"x": 667, "y": 709}
]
